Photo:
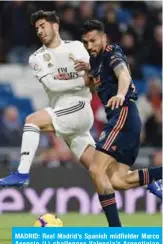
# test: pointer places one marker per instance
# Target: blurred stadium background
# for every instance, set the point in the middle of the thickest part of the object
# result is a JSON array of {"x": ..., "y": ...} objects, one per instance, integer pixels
[{"x": 59, "y": 183}]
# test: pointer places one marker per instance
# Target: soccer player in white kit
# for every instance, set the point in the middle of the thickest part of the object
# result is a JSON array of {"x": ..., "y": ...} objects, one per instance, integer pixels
[{"x": 69, "y": 113}]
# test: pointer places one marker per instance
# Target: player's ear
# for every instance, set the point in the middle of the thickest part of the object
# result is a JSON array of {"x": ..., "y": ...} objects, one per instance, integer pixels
[
  {"x": 56, "y": 26},
  {"x": 104, "y": 38}
]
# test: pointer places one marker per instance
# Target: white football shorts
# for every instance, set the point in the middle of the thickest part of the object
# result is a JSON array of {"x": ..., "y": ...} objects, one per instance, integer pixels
[{"x": 73, "y": 123}]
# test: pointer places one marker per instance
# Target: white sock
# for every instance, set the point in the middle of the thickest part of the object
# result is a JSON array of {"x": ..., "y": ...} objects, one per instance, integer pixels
[{"x": 30, "y": 142}]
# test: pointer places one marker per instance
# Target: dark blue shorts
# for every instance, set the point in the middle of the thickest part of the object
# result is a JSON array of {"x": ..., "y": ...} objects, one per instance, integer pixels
[{"x": 120, "y": 137}]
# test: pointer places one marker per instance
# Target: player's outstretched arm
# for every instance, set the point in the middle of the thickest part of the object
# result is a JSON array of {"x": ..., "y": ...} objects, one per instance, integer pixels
[{"x": 124, "y": 79}]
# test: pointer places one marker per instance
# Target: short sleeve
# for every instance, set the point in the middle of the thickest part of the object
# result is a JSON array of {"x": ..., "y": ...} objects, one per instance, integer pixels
[
  {"x": 37, "y": 67},
  {"x": 115, "y": 56}
]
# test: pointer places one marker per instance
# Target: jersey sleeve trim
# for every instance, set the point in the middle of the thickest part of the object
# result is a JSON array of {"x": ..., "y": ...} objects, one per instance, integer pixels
[{"x": 45, "y": 76}]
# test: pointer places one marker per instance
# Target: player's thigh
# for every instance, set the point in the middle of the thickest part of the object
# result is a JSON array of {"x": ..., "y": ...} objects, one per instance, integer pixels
[
  {"x": 106, "y": 161},
  {"x": 83, "y": 147},
  {"x": 40, "y": 118},
  {"x": 77, "y": 118}
]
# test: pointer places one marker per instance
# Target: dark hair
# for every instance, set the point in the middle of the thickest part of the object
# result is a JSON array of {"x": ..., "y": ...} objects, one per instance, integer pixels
[
  {"x": 91, "y": 25},
  {"x": 49, "y": 16}
]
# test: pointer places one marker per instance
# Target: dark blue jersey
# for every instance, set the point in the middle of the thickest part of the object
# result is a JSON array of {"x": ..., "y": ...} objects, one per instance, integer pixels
[
  {"x": 105, "y": 80},
  {"x": 120, "y": 137}
]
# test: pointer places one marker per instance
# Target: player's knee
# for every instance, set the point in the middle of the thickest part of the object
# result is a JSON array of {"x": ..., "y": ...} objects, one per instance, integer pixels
[
  {"x": 100, "y": 178},
  {"x": 120, "y": 183},
  {"x": 30, "y": 119}
]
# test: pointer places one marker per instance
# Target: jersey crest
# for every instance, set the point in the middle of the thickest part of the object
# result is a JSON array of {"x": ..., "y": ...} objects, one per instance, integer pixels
[{"x": 47, "y": 57}]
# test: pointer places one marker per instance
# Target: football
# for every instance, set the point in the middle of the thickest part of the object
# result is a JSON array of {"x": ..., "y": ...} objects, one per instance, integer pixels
[{"x": 48, "y": 220}]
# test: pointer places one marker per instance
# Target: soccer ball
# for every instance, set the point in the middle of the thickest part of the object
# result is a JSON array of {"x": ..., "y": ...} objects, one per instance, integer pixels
[{"x": 48, "y": 220}]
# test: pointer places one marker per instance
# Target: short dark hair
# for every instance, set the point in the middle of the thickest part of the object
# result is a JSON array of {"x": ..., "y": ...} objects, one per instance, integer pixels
[
  {"x": 49, "y": 16},
  {"x": 91, "y": 25}
]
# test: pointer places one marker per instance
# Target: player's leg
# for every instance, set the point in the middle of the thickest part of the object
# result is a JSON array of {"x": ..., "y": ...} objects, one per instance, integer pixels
[
  {"x": 105, "y": 189},
  {"x": 120, "y": 175},
  {"x": 48, "y": 128},
  {"x": 144, "y": 176},
  {"x": 123, "y": 179},
  {"x": 87, "y": 157},
  {"x": 83, "y": 147},
  {"x": 34, "y": 123},
  {"x": 30, "y": 140}
]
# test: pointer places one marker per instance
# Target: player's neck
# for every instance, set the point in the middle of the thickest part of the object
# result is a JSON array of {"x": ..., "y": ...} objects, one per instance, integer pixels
[{"x": 55, "y": 43}]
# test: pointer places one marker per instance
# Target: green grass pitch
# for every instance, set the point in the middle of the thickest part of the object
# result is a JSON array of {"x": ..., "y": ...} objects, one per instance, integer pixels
[{"x": 73, "y": 219}]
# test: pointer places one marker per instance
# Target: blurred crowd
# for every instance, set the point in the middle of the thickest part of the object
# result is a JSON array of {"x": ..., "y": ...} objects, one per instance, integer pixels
[{"x": 136, "y": 26}]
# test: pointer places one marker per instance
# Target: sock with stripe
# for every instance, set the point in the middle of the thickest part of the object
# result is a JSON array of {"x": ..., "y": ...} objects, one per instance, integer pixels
[
  {"x": 146, "y": 176},
  {"x": 30, "y": 142},
  {"x": 109, "y": 206}
]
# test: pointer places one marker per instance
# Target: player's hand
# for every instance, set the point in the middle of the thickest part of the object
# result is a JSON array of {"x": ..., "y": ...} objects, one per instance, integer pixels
[
  {"x": 62, "y": 76},
  {"x": 81, "y": 65},
  {"x": 115, "y": 102},
  {"x": 88, "y": 80}
]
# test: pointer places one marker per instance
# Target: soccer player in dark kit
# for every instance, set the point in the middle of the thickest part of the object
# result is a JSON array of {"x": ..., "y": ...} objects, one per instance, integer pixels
[{"x": 118, "y": 145}]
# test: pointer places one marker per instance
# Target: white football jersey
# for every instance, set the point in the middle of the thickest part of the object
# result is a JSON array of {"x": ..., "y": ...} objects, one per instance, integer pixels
[{"x": 61, "y": 60}]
